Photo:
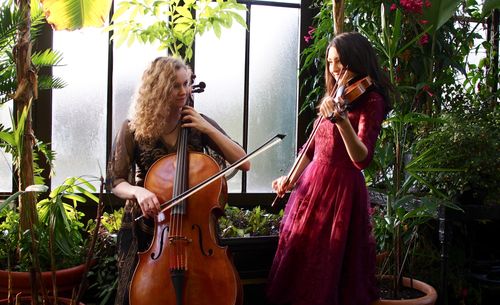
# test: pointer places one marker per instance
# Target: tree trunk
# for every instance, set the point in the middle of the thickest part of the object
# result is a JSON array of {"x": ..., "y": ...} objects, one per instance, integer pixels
[
  {"x": 338, "y": 16},
  {"x": 26, "y": 89},
  {"x": 25, "y": 93}
]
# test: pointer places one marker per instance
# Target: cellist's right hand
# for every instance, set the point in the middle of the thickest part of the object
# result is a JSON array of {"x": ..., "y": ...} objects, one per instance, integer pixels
[
  {"x": 281, "y": 185},
  {"x": 149, "y": 203}
]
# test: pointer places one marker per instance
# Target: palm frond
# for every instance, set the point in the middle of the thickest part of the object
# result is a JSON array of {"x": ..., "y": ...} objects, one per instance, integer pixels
[
  {"x": 46, "y": 82},
  {"x": 46, "y": 58},
  {"x": 9, "y": 21}
]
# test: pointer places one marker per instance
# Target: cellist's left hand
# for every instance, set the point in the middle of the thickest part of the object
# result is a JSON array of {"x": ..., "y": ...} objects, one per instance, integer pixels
[{"x": 192, "y": 119}]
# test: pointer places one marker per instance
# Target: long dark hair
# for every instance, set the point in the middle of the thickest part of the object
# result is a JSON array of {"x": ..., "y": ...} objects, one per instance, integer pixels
[{"x": 357, "y": 53}]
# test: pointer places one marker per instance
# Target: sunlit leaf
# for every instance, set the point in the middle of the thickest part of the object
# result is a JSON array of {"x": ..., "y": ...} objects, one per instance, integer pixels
[{"x": 76, "y": 14}]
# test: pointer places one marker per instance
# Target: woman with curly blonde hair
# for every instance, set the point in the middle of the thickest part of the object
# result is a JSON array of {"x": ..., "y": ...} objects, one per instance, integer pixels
[{"x": 158, "y": 113}]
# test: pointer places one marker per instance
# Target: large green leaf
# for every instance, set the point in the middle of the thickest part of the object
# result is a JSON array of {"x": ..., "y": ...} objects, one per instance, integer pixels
[
  {"x": 439, "y": 13},
  {"x": 76, "y": 14},
  {"x": 490, "y": 5}
]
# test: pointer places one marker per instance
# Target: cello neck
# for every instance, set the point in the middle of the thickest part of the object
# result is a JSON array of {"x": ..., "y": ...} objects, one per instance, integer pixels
[{"x": 181, "y": 176}]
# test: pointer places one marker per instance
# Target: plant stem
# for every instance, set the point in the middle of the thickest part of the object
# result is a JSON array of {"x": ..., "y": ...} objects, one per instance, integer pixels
[{"x": 26, "y": 91}]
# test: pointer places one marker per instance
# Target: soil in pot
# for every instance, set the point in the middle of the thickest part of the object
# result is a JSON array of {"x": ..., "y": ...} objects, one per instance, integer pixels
[
  {"x": 387, "y": 293},
  {"x": 427, "y": 294}
]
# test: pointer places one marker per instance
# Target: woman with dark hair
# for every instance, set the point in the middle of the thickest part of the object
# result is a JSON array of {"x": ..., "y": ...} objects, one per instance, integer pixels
[
  {"x": 326, "y": 250},
  {"x": 157, "y": 114}
]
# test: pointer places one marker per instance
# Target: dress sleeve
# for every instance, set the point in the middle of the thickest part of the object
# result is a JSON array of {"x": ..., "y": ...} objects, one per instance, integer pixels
[
  {"x": 122, "y": 157},
  {"x": 370, "y": 121}
]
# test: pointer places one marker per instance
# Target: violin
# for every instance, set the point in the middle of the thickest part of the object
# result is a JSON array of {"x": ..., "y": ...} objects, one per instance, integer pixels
[{"x": 350, "y": 94}]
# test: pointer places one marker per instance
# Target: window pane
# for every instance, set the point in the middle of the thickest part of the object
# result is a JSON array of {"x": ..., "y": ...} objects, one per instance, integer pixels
[
  {"x": 79, "y": 110},
  {"x": 128, "y": 65},
  {"x": 273, "y": 91},
  {"x": 5, "y": 159},
  {"x": 220, "y": 63}
]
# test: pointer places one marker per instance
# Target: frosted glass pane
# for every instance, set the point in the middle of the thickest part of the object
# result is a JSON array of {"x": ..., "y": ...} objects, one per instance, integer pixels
[
  {"x": 5, "y": 159},
  {"x": 273, "y": 91},
  {"x": 128, "y": 65},
  {"x": 79, "y": 110},
  {"x": 220, "y": 63}
]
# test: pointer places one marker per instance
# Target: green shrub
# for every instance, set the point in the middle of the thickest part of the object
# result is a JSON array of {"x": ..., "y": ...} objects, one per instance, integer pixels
[{"x": 469, "y": 142}]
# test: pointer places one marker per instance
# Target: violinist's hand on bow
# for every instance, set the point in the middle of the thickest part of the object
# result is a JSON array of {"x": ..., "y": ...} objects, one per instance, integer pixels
[
  {"x": 192, "y": 119},
  {"x": 330, "y": 108},
  {"x": 281, "y": 186},
  {"x": 148, "y": 202}
]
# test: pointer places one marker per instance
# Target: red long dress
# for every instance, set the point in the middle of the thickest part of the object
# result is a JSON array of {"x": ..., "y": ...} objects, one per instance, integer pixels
[{"x": 326, "y": 250}]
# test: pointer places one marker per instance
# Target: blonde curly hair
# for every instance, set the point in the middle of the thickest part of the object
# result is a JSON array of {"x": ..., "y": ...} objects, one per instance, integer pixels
[{"x": 151, "y": 105}]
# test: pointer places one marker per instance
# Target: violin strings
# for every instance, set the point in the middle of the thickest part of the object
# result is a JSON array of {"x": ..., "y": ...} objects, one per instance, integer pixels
[{"x": 336, "y": 85}]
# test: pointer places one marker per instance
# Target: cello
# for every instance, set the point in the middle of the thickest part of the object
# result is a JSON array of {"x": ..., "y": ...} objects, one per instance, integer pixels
[{"x": 184, "y": 264}]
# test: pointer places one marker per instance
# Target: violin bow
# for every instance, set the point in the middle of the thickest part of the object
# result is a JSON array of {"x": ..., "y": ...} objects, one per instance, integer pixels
[{"x": 343, "y": 74}]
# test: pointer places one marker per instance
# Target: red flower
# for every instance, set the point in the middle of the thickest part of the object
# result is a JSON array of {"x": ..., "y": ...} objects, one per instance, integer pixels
[
  {"x": 309, "y": 36},
  {"x": 311, "y": 30},
  {"x": 413, "y": 6},
  {"x": 427, "y": 90},
  {"x": 393, "y": 7},
  {"x": 423, "y": 21},
  {"x": 424, "y": 39}
]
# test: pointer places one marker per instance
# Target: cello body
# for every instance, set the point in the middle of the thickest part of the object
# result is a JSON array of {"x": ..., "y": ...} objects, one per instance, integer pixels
[{"x": 184, "y": 264}]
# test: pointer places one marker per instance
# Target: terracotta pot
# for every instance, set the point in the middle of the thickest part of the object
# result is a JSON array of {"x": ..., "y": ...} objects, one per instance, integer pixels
[
  {"x": 66, "y": 280},
  {"x": 428, "y": 299},
  {"x": 381, "y": 257},
  {"x": 27, "y": 301}
]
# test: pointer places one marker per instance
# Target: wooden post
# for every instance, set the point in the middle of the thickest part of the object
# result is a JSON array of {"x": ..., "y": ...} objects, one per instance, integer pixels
[
  {"x": 338, "y": 16},
  {"x": 25, "y": 93}
]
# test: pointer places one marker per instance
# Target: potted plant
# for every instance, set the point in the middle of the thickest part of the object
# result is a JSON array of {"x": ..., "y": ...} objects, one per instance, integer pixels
[
  {"x": 251, "y": 236},
  {"x": 395, "y": 173},
  {"x": 238, "y": 222},
  {"x": 417, "y": 51},
  {"x": 60, "y": 234},
  {"x": 72, "y": 15},
  {"x": 408, "y": 42}
]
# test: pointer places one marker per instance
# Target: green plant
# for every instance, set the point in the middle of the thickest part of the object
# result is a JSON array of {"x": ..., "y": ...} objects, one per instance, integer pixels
[
  {"x": 239, "y": 222},
  {"x": 423, "y": 50},
  {"x": 397, "y": 171},
  {"x": 11, "y": 142},
  {"x": 172, "y": 23},
  {"x": 469, "y": 142},
  {"x": 70, "y": 12},
  {"x": 112, "y": 222},
  {"x": 60, "y": 232},
  {"x": 104, "y": 275}
]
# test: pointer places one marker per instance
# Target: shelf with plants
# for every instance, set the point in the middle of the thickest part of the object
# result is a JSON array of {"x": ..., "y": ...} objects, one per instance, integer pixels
[{"x": 252, "y": 237}]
